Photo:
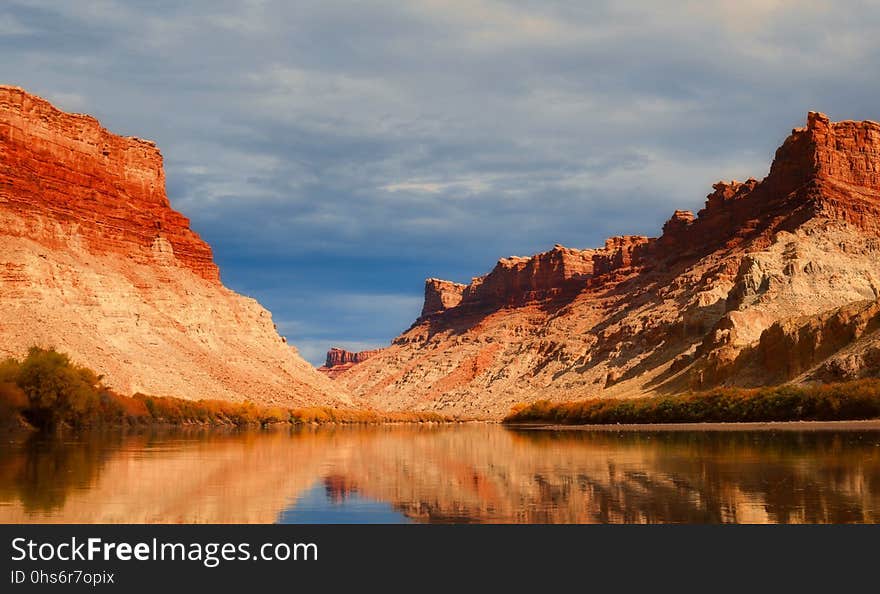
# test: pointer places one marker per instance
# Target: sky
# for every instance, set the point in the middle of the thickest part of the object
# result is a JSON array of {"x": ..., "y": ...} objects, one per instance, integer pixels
[{"x": 336, "y": 154}]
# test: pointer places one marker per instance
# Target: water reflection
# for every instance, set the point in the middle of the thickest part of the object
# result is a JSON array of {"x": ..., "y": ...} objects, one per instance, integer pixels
[
  {"x": 326, "y": 504},
  {"x": 472, "y": 473},
  {"x": 42, "y": 471}
]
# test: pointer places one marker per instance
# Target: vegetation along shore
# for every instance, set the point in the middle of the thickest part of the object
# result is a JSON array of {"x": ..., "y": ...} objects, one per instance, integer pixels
[
  {"x": 46, "y": 390},
  {"x": 841, "y": 401}
]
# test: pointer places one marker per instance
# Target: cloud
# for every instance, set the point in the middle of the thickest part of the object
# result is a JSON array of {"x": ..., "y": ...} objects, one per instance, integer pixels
[
  {"x": 11, "y": 26},
  {"x": 458, "y": 186},
  {"x": 343, "y": 149}
]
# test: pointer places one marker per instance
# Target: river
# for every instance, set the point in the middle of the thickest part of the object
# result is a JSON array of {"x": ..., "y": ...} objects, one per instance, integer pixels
[{"x": 469, "y": 473}]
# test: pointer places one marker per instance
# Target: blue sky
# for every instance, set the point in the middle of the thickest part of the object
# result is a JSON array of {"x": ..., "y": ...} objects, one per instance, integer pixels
[{"x": 335, "y": 154}]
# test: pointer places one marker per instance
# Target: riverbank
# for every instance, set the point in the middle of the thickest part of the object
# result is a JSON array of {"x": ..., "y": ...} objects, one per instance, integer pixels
[
  {"x": 46, "y": 391},
  {"x": 216, "y": 414},
  {"x": 846, "y": 401},
  {"x": 864, "y": 425}
]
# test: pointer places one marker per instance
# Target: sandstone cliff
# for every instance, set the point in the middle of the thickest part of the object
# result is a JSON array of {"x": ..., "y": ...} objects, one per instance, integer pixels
[
  {"x": 96, "y": 263},
  {"x": 339, "y": 360},
  {"x": 441, "y": 295},
  {"x": 703, "y": 304}
]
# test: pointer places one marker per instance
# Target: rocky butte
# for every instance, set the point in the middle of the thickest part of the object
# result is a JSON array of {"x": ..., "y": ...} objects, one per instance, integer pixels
[
  {"x": 96, "y": 263},
  {"x": 773, "y": 281},
  {"x": 339, "y": 360}
]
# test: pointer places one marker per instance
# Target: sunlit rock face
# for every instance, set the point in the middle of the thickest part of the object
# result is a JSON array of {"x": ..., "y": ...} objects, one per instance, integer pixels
[
  {"x": 95, "y": 262},
  {"x": 685, "y": 310},
  {"x": 65, "y": 170},
  {"x": 441, "y": 295}
]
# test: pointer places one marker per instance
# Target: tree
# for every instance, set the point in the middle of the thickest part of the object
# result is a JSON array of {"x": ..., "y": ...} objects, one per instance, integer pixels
[{"x": 56, "y": 389}]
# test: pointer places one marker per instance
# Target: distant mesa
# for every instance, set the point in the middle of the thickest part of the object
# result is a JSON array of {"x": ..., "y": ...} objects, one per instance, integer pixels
[{"x": 340, "y": 360}]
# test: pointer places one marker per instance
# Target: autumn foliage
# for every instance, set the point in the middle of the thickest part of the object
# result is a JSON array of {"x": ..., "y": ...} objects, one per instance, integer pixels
[
  {"x": 48, "y": 390},
  {"x": 824, "y": 402}
]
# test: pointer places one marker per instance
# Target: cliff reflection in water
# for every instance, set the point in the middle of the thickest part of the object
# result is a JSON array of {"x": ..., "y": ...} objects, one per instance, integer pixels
[{"x": 471, "y": 473}]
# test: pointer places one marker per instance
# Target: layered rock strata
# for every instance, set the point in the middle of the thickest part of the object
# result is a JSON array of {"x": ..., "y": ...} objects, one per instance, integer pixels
[
  {"x": 756, "y": 275},
  {"x": 95, "y": 262}
]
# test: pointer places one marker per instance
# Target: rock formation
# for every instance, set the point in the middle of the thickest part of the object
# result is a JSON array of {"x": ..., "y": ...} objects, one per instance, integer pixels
[
  {"x": 440, "y": 295},
  {"x": 772, "y": 281},
  {"x": 95, "y": 262},
  {"x": 517, "y": 279},
  {"x": 339, "y": 360}
]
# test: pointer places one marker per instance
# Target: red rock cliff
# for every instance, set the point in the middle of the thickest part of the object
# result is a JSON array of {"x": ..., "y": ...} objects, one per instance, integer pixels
[
  {"x": 67, "y": 167},
  {"x": 94, "y": 261},
  {"x": 757, "y": 276},
  {"x": 549, "y": 275},
  {"x": 619, "y": 252},
  {"x": 441, "y": 295},
  {"x": 513, "y": 280}
]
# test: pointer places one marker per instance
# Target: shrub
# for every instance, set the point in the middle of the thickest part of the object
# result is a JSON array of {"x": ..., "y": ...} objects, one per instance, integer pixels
[
  {"x": 13, "y": 402},
  {"x": 850, "y": 400},
  {"x": 57, "y": 390},
  {"x": 48, "y": 389}
]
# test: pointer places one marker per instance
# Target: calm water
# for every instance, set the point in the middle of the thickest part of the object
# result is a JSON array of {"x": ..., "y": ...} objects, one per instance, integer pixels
[{"x": 470, "y": 473}]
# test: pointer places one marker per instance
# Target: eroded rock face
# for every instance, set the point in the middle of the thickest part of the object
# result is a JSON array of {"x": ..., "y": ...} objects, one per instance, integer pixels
[
  {"x": 521, "y": 280},
  {"x": 693, "y": 308},
  {"x": 440, "y": 295},
  {"x": 340, "y": 360},
  {"x": 620, "y": 252},
  {"x": 834, "y": 345},
  {"x": 517, "y": 279},
  {"x": 94, "y": 261},
  {"x": 111, "y": 188},
  {"x": 793, "y": 346}
]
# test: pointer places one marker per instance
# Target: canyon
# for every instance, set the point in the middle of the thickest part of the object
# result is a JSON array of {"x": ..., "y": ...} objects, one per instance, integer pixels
[
  {"x": 773, "y": 281},
  {"x": 96, "y": 263}
]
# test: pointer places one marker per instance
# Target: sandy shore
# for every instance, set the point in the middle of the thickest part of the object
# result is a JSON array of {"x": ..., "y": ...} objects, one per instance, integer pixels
[{"x": 869, "y": 425}]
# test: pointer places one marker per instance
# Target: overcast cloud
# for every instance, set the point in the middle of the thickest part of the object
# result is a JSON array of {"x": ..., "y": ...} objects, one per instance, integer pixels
[{"x": 335, "y": 154}]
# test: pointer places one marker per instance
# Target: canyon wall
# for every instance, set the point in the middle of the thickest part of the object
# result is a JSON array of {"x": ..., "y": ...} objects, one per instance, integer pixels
[
  {"x": 441, "y": 295},
  {"x": 693, "y": 308},
  {"x": 96, "y": 263}
]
